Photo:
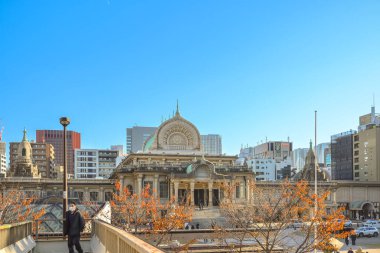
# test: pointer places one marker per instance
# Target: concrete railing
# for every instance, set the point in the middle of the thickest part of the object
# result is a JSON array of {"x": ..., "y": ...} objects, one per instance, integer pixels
[
  {"x": 115, "y": 240},
  {"x": 13, "y": 233}
]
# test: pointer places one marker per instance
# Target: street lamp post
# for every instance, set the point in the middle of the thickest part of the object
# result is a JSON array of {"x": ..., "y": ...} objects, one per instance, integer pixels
[{"x": 65, "y": 121}]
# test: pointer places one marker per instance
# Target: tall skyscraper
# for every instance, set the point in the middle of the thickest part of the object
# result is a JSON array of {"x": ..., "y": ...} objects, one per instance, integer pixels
[
  {"x": 321, "y": 151},
  {"x": 212, "y": 144},
  {"x": 342, "y": 156},
  {"x": 136, "y": 136},
  {"x": 298, "y": 158},
  {"x": 55, "y": 137},
  {"x": 367, "y": 148},
  {"x": 3, "y": 159}
]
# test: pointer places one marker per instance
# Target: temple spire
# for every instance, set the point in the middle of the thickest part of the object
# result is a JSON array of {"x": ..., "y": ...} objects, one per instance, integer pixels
[
  {"x": 177, "y": 112},
  {"x": 24, "y": 138},
  {"x": 311, "y": 144}
]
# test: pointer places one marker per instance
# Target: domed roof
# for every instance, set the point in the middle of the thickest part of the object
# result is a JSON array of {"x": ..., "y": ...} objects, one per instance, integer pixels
[
  {"x": 24, "y": 152},
  {"x": 174, "y": 134}
]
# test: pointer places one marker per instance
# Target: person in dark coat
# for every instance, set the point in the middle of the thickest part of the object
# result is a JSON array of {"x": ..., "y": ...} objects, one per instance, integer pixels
[
  {"x": 353, "y": 239},
  {"x": 73, "y": 226},
  {"x": 346, "y": 240}
]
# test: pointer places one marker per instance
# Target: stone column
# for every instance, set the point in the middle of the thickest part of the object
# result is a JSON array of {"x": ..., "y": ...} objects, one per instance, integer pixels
[
  {"x": 101, "y": 194},
  {"x": 192, "y": 192},
  {"x": 155, "y": 186},
  {"x": 233, "y": 188},
  {"x": 210, "y": 193},
  {"x": 334, "y": 196},
  {"x": 248, "y": 188},
  {"x": 86, "y": 196},
  {"x": 176, "y": 184},
  {"x": 139, "y": 184},
  {"x": 121, "y": 179},
  {"x": 171, "y": 189}
]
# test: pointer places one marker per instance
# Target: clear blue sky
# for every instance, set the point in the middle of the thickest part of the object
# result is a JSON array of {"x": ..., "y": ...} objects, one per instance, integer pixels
[{"x": 243, "y": 69}]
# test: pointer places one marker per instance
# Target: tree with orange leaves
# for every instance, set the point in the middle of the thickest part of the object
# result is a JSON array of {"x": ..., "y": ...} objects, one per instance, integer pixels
[
  {"x": 133, "y": 210},
  {"x": 267, "y": 218},
  {"x": 19, "y": 207}
]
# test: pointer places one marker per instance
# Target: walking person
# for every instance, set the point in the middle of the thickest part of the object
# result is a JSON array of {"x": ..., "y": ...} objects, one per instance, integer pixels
[
  {"x": 353, "y": 239},
  {"x": 73, "y": 226},
  {"x": 346, "y": 240}
]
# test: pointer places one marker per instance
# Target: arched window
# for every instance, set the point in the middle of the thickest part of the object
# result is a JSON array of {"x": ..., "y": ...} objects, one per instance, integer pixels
[{"x": 24, "y": 152}]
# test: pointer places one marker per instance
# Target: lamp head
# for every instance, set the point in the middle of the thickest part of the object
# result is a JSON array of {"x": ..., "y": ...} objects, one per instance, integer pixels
[{"x": 65, "y": 121}]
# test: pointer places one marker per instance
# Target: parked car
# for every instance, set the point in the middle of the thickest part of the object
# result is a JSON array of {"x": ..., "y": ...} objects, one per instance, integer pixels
[
  {"x": 347, "y": 223},
  {"x": 367, "y": 231},
  {"x": 372, "y": 223}
]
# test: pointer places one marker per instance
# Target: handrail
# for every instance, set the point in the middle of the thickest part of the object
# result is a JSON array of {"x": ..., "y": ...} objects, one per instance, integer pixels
[
  {"x": 116, "y": 240},
  {"x": 12, "y": 233}
]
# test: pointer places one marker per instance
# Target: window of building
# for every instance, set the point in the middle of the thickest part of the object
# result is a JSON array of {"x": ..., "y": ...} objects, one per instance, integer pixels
[
  {"x": 93, "y": 196},
  {"x": 130, "y": 189},
  {"x": 164, "y": 193},
  {"x": 108, "y": 196},
  {"x": 356, "y": 174},
  {"x": 238, "y": 191},
  {"x": 150, "y": 183}
]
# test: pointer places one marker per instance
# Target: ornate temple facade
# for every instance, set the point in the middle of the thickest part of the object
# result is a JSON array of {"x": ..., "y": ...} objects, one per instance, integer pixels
[
  {"x": 173, "y": 163},
  {"x": 24, "y": 165}
]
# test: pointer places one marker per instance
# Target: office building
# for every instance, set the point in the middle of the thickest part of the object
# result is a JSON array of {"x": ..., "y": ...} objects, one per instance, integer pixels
[
  {"x": 136, "y": 137},
  {"x": 342, "y": 156},
  {"x": 277, "y": 150},
  {"x": 298, "y": 158},
  {"x": 321, "y": 151},
  {"x": 55, "y": 138},
  {"x": 366, "y": 148},
  {"x": 3, "y": 159},
  {"x": 212, "y": 144},
  {"x": 118, "y": 148},
  {"x": 264, "y": 169},
  {"x": 95, "y": 163}
]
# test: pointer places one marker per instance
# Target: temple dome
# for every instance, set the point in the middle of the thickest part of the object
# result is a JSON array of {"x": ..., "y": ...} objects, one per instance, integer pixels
[
  {"x": 24, "y": 151},
  {"x": 175, "y": 134}
]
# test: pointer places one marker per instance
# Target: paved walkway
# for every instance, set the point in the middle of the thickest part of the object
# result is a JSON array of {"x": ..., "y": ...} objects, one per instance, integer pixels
[{"x": 58, "y": 246}]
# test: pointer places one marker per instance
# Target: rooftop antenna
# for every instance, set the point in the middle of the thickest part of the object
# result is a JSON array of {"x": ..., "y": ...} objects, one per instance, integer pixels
[
  {"x": 266, "y": 139},
  {"x": 373, "y": 112}
]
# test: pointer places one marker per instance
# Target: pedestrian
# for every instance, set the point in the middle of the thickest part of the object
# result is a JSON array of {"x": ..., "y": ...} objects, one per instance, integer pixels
[
  {"x": 353, "y": 239},
  {"x": 350, "y": 251},
  {"x": 73, "y": 226},
  {"x": 346, "y": 240},
  {"x": 197, "y": 226}
]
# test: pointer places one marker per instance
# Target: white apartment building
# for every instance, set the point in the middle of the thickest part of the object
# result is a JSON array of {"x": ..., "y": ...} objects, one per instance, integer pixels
[
  {"x": 86, "y": 163},
  {"x": 3, "y": 160},
  {"x": 94, "y": 163},
  {"x": 264, "y": 169}
]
